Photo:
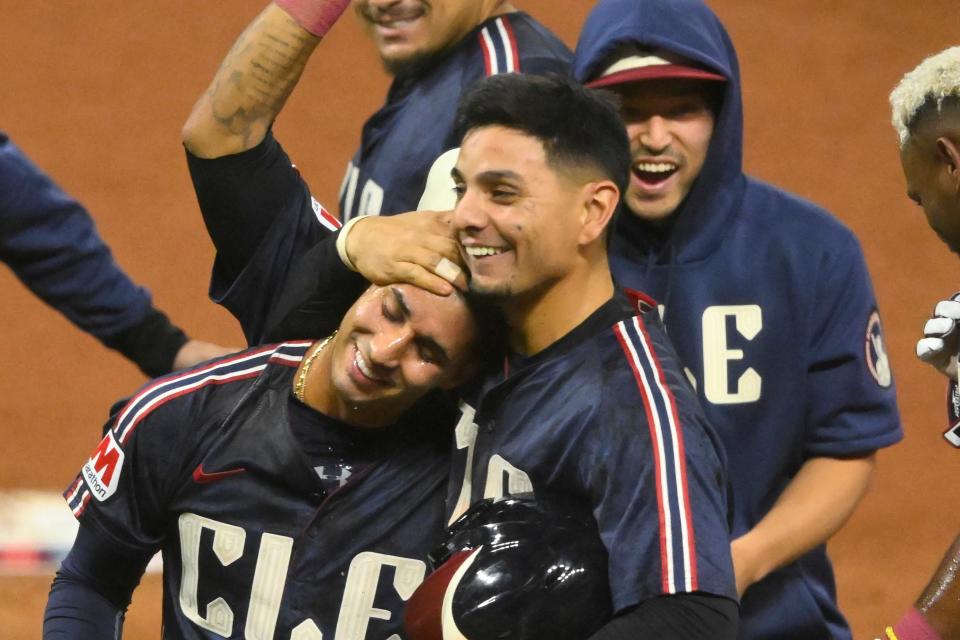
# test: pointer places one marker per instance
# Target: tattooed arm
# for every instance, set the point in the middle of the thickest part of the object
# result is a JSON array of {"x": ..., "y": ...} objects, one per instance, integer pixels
[
  {"x": 251, "y": 86},
  {"x": 258, "y": 211}
]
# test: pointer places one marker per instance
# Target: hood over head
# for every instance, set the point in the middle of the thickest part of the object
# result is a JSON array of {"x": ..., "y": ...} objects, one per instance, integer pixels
[{"x": 689, "y": 29}]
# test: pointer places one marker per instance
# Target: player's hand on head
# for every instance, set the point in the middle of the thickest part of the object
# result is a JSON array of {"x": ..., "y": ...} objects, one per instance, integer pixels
[
  {"x": 941, "y": 339},
  {"x": 419, "y": 248},
  {"x": 196, "y": 351}
]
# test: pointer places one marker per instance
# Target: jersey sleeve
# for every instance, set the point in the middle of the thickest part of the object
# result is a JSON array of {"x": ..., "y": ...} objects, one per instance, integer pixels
[
  {"x": 51, "y": 243},
  {"x": 92, "y": 589},
  {"x": 123, "y": 489},
  {"x": 852, "y": 401},
  {"x": 542, "y": 65},
  {"x": 262, "y": 219},
  {"x": 657, "y": 481}
]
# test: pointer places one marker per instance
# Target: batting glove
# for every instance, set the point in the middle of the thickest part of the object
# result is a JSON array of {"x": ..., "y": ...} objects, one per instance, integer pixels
[{"x": 941, "y": 339}]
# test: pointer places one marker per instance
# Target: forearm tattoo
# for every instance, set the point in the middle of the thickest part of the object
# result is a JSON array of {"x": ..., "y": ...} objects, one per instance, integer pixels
[{"x": 258, "y": 75}]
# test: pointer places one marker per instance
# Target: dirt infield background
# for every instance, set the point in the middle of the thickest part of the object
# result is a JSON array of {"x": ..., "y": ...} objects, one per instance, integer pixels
[{"x": 96, "y": 92}]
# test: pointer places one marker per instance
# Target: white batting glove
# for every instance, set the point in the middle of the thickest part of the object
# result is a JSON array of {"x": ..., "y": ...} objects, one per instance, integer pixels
[{"x": 941, "y": 338}]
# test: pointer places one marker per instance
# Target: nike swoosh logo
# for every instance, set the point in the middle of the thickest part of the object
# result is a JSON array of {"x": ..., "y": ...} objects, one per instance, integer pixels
[{"x": 202, "y": 477}]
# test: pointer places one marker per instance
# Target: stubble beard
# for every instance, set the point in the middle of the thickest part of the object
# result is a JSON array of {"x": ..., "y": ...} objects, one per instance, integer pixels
[
  {"x": 410, "y": 66},
  {"x": 497, "y": 294}
]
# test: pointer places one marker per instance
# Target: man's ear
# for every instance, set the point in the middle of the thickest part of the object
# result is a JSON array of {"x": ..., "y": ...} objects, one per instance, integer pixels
[
  {"x": 600, "y": 200},
  {"x": 949, "y": 155}
]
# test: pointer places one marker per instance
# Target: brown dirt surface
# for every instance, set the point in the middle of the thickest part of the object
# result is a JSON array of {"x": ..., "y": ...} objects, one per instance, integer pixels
[{"x": 96, "y": 93}]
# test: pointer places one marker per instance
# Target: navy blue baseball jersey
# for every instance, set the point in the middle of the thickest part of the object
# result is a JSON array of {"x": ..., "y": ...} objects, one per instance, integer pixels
[
  {"x": 769, "y": 303},
  {"x": 402, "y": 139},
  {"x": 51, "y": 243},
  {"x": 273, "y": 520},
  {"x": 605, "y": 416}
]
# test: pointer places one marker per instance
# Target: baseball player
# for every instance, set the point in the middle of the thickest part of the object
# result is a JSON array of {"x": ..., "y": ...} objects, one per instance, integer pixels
[
  {"x": 435, "y": 52},
  {"x": 926, "y": 116},
  {"x": 52, "y": 245},
  {"x": 591, "y": 402},
  {"x": 293, "y": 489}
]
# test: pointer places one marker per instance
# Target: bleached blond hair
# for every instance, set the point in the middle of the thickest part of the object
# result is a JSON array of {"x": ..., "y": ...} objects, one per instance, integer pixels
[{"x": 933, "y": 81}]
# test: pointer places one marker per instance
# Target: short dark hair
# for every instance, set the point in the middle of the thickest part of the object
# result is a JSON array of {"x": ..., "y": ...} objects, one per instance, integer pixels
[{"x": 577, "y": 126}]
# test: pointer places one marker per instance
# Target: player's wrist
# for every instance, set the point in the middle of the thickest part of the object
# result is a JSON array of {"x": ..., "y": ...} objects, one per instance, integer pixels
[
  {"x": 913, "y": 626},
  {"x": 343, "y": 239},
  {"x": 316, "y": 16}
]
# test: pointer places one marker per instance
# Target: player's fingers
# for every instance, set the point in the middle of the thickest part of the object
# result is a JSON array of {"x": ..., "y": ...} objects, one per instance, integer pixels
[
  {"x": 429, "y": 258},
  {"x": 452, "y": 273},
  {"x": 445, "y": 263},
  {"x": 930, "y": 349},
  {"x": 441, "y": 265},
  {"x": 424, "y": 278},
  {"x": 948, "y": 309},
  {"x": 425, "y": 250},
  {"x": 939, "y": 327}
]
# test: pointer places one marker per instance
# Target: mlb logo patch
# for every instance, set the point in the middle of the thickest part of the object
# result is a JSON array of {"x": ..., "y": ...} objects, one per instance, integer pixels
[
  {"x": 101, "y": 473},
  {"x": 876, "y": 353}
]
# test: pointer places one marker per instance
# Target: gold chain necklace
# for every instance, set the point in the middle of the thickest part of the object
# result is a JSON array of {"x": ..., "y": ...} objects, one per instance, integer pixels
[{"x": 300, "y": 388}]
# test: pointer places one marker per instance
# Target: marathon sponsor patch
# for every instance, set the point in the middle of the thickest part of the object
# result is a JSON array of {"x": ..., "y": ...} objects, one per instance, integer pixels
[
  {"x": 101, "y": 473},
  {"x": 875, "y": 352}
]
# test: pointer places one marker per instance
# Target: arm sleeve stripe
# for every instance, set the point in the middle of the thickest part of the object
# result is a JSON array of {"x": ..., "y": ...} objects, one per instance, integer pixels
[
  {"x": 325, "y": 218},
  {"x": 499, "y": 46},
  {"x": 511, "y": 55},
  {"x": 77, "y": 496},
  {"x": 666, "y": 557},
  {"x": 489, "y": 53},
  {"x": 676, "y": 531},
  {"x": 676, "y": 430},
  {"x": 230, "y": 369}
]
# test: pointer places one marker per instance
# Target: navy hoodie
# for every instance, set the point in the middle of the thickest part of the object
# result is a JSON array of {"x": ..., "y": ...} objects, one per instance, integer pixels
[{"x": 769, "y": 302}]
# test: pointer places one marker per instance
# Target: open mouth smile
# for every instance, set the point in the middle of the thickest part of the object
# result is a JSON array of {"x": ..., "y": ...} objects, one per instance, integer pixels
[
  {"x": 481, "y": 251},
  {"x": 366, "y": 370},
  {"x": 654, "y": 173},
  {"x": 395, "y": 21}
]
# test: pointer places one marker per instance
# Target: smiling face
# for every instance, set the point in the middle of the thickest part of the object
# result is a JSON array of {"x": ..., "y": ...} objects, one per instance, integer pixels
[
  {"x": 931, "y": 169},
  {"x": 517, "y": 218},
  {"x": 406, "y": 32},
  {"x": 395, "y": 345},
  {"x": 670, "y": 124}
]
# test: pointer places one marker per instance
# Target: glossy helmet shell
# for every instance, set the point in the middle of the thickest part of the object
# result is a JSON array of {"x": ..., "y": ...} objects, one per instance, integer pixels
[{"x": 516, "y": 568}]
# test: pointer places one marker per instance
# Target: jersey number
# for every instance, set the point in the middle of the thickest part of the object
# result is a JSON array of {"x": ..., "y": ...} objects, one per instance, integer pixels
[
  {"x": 270, "y": 576},
  {"x": 502, "y": 477},
  {"x": 371, "y": 198}
]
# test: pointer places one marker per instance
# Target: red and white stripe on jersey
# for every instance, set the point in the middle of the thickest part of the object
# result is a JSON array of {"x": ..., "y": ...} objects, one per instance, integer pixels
[
  {"x": 325, "y": 218},
  {"x": 499, "y": 46},
  {"x": 241, "y": 366},
  {"x": 677, "y": 542}
]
